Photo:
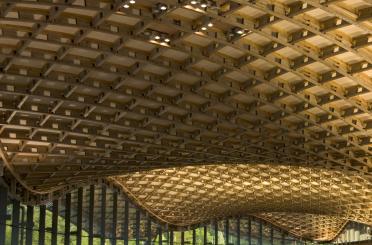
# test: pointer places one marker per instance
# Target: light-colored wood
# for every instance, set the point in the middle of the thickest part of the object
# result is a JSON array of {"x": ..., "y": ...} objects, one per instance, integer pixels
[
  {"x": 310, "y": 202},
  {"x": 92, "y": 89}
]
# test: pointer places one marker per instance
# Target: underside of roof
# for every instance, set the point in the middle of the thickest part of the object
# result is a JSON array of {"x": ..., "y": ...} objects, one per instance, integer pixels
[{"x": 199, "y": 109}]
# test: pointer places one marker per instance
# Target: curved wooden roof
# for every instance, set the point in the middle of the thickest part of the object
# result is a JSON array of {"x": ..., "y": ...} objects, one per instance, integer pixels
[
  {"x": 98, "y": 88},
  {"x": 309, "y": 202}
]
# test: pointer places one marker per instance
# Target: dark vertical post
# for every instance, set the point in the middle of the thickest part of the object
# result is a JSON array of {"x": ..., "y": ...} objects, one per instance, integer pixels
[
  {"x": 216, "y": 232},
  {"x": 205, "y": 235},
  {"x": 271, "y": 235},
  {"x": 160, "y": 235},
  {"x": 3, "y": 204},
  {"x": 91, "y": 214},
  {"x": 67, "y": 218},
  {"x": 238, "y": 231},
  {"x": 29, "y": 224},
  {"x": 171, "y": 238},
  {"x": 249, "y": 231},
  {"x": 126, "y": 223},
  {"x": 182, "y": 237},
  {"x": 114, "y": 216},
  {"x": 103, "y": 215},
  {"x": 22, "y": 224},
  {"x": 193, "y": 237},
  {"x": 138, "y": 226},
  {"x": 79, "y": 218},
  {"x": 260, "y": 233},
  {"x": 149, "y": 234},
  {"x": 15, "y": 222},
  {"x": 227, "y": 231},
  {"x": 42, "y": 225},
  {"x": 283, "y": 238},
  {"x": 54, "y": 222}
]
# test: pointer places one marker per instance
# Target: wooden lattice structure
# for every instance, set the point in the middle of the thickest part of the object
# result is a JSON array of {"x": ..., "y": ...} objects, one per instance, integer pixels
[{"x": 275, "y": 94}]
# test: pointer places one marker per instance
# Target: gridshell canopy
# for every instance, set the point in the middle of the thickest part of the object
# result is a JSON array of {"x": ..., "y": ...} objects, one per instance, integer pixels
[{"x": 199, "y": 109}]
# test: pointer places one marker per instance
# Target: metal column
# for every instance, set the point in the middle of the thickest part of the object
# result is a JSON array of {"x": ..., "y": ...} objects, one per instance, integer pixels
[
  {"x": 114, "y": 216},
  {"x": 260, "y": 234},
  {"x": 103, "y": 215},
  {"x": 160, "y": 232},
  {"x": 67, "y": 218},
  {"x": 91, "y": 214},
  {"x": 29, "y": 224},
  {"x": 216, "y": 232},
  {"x": 238, "y": 231},
  {"x": 15, "y": 222},
  {"x": 171, "y": 238},
  {"x": 193, "y": 237},
  {"x": 3, "y": 204},
  {"x": 227, "y": 231},
  {"x": 138, "y": 226},
  {"x": 54, "y": 222},
  {"x": 182, "y": 237},
  {"x": 249, "y": 231},
  {"x": 205, "y": 238},
  {"x": 22, "y": 224},
  {"x": 42, "y": 225},
  {"x": 282, "y": 238},
  {"x": 126, "y": 223},
  {"x": 148, "y": 229},
  {"x": 79, "y": 218}
]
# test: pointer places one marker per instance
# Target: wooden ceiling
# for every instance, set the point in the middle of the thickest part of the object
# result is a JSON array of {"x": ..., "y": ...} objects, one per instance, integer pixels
[
  {"x": 310, "y": 202},
  {"x": 98, "y": 88}
]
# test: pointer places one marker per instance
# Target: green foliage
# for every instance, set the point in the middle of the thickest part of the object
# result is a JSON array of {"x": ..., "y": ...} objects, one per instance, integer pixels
[
  {"x": 96, "y": 241},
  {"x": 48, "y": 225}
]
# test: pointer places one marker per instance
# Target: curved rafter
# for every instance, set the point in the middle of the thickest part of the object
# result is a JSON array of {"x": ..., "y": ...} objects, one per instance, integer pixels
[{"x": 86, "y": 91}]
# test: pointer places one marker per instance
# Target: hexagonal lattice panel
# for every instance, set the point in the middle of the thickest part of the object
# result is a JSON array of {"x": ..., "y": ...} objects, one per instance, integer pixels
[
  {"x": 97, "y": 88},
  {"x": 308, "y": 196}
]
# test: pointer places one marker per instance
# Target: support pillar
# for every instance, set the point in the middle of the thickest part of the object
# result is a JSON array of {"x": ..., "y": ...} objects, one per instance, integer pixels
[
  {"x": 205, "y": 240},
  {"x": 238, "y": 231},
  {"x": 114, "y": 216},
  {"x": 249, "y": 231},
  {"x": 260, "y": 234},
  {"x": 67, "y": 218},
  {"x": 148, "y": 230},
  {"x": 160, "y": 232},
  {"x": 54, "y": 222},
  {"x": 227, "y": 232},
  {"x": 215, "y": 232},
  {"x": 29, "y": 224},
  {"x": 138, "y": 226},
  {"x": 91, "y": 214},
  {"x": 79, "y": 218},
  {"x": 126, "y": 223},
  {"x": 3, "y": 204},
  {"x": 103, "y": 215},
  {"x": 171, "y": 238},
  {"x": 15, "y": 222},
  {"x": 42, "y": 225}
]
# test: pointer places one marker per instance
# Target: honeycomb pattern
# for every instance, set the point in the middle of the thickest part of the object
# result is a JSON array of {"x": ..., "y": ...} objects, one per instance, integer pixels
[
  {"x": 315, "y": 227},
  {"x": 300, "y": 196},
  {"x": 98, "y": 88}
]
